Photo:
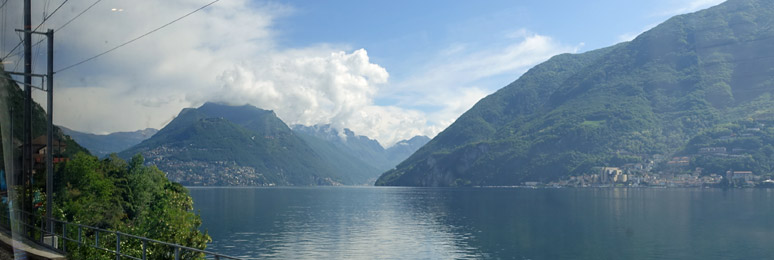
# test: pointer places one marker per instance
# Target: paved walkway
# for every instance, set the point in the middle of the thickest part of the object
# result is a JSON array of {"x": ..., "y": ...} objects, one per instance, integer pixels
[{"x": 25, "y": 249}]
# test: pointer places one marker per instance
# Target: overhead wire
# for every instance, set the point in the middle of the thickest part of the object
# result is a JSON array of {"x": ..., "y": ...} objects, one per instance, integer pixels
[
  {"x": 79, "y": 15},
  {"x": 19, "y": 60},
  {"x": 37, "y": 48},
  {"x": 136, "y": 38},
  {"x": 65, "y": 24},
  {"x": 36, "y": 28}
]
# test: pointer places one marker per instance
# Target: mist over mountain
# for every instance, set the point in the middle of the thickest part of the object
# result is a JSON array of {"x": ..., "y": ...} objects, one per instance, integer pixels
[
  {"x": 403, "y": 149},
  {"x": 218, "y": 144},
  {"x": 626, "y": 103},
  {"x": 358, "y": 148},
  {"x": 102, "y": 145}
]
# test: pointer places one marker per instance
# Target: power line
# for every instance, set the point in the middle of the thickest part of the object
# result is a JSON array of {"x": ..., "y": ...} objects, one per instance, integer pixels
[
  {"x": 45, "y": 8},
  {"x": 10, "y": 53},
  {"x": 49, "y": 16},
  {"x": 137, "y": 38},
  {"x": 3, "y": 5},
  {"x": 37, "y": 49},
  {"x": 61, "y": 27},
  {"x": 36, "y": 28},
  {"x": 79, "y": 15}
]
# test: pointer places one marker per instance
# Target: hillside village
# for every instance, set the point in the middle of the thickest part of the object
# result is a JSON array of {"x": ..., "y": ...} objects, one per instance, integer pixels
[{"x": 686, "y": 169}]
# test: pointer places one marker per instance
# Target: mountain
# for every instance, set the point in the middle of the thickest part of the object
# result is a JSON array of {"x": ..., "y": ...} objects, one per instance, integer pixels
[
  {"x": 342, "y": 159},
  {"x": 363, "y": 148},
  {"x": 403, "y": 149},
  {"x": 627, "y": 103},
  {"x": 12, "y": 102},
  {"x": 102, "y": 145},
  {"x": 227, "y": 145},
  {"x": 746, "y": 145}
]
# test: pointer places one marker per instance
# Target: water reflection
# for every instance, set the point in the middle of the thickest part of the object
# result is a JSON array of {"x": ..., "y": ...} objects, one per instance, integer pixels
[
  {"x": 328, "y": 223},
  {"x": 420, "y": 223}
]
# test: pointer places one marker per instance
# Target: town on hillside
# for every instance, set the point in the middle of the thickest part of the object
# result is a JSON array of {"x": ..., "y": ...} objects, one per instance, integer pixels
[{"x": 727, "y": 157}]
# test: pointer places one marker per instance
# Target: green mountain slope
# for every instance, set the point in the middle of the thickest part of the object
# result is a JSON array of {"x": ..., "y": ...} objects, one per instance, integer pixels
[
  {"x": 403, "y": 149},
  {"x": 626, "y": 103},
  {"x": 357, "y": 155},
  {"x": 342, "y": 161},
  {"x": 226, "y": 145},
  {"x": 14, "y": 96},
  {"x": 102, "y": 145},
  {"x": 363, "y": 148},
  {"x": 746, "y": 145}
]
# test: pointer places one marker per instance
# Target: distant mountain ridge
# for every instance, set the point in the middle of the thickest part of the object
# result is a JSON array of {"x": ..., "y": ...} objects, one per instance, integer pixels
[
  {"x": 364, "y": 148},
  {"x": 627, "y": 103},
  {"x": 225, "y": 145},
  {"x": 103, "y": 145},
  {"x": 11, "y": 92}
]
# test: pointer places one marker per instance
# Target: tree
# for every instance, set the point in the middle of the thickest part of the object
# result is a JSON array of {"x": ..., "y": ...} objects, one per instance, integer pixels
[{"x": 130, "y": 198}]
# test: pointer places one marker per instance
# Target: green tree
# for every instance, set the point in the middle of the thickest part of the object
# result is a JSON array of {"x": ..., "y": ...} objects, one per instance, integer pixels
[{"x": 131, "y": 198}]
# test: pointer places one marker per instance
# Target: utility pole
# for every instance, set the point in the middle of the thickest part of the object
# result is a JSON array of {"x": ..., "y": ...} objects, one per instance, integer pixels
[
  {"x": 50, "y": 133},
  {"x": 27, "y": 151}
]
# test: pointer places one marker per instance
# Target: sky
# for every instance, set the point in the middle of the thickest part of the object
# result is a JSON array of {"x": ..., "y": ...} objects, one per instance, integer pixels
[{"x": 389, "y": 70}]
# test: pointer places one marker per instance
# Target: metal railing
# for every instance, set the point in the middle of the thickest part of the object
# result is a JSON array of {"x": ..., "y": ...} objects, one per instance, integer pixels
[{"x": 98, "y": 238}]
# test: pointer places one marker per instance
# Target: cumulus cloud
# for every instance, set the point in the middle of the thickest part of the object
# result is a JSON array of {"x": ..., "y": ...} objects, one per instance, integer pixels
[
  {"x": 228, "y": 53},
  {"x": 145, "y": 83},
  {"x": 311, "y": 87}
]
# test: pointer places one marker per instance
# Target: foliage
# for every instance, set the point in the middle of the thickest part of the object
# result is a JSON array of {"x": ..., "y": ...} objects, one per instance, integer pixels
[
  {"x": 749, "y": 147},
  {"x": 111, "y": 194},
  {"x": 246, "y": 136},
  {"x": 14, "y": 100},
  {"x": 358, "y": 158},
  {"x": 619, "y": 104},
  {"x": 127, "y": 197}
]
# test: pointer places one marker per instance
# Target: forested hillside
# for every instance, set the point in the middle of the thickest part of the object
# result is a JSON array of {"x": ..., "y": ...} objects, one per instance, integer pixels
[{"x": 621, "y": 104}]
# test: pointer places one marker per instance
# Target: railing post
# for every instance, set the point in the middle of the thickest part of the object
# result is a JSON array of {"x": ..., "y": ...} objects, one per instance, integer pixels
[
  {"x": 42, "y": 232},
  {"x": 64, "y": 235},
  {"x": 118, "y": 246},
  {"x": 48, "y": 227}
]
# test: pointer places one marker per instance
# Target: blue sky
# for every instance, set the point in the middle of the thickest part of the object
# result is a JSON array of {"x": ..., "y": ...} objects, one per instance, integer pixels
[
  {"x": 397, "y": 34},
  {"x": 386, "y": 69}
]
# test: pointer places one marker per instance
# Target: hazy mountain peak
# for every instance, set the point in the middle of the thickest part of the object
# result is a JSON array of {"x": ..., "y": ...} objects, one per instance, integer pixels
[{"x": 101, "y": 145}]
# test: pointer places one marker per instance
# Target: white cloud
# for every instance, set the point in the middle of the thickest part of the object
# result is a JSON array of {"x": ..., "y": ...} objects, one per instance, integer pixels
[
  {"x": 318, "y": 87},
  {"x": 631, "y": 35},
  {"x": 147, "y": 82},
  {"x": 677, "y": 7},
  {"x": 451, "y": 82},
  {"x": 627, "y": 36},
  {"x": 687, "y": 6},
  {"x": 227, "y": 52}
]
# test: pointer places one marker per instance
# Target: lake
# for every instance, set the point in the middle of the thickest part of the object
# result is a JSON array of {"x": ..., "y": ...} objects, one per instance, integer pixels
[{"x": 488, "y": 223}]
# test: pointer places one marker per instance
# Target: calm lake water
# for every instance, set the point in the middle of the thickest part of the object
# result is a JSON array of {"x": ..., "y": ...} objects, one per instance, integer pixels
[{"x": 489, "y": 223}]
